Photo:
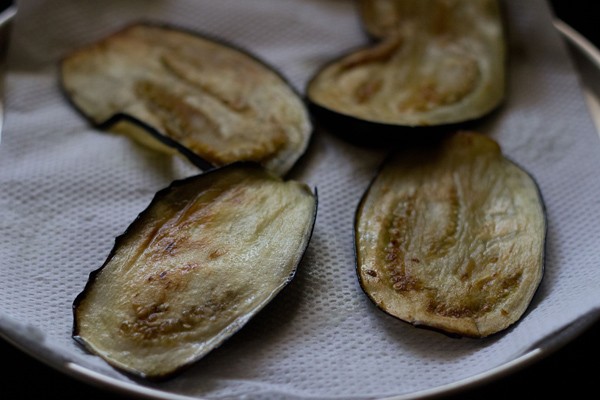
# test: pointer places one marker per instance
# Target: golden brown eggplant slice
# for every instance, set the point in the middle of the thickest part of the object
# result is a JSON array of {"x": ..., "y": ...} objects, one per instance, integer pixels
[
  {"x": 439, "y": 62},
  {"x": 210, "y": 101},
  {"x": 207, "y": 254},
  {"x": 452, "y": 237}
]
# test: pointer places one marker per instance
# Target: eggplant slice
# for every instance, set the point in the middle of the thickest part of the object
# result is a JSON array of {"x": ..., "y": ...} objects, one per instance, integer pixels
[
  {"x": 178, "y": 91},
  {"x": 437, "y": 63},
  {"x": 207, "y": 254},
  {"x": 452, "y": 237}
]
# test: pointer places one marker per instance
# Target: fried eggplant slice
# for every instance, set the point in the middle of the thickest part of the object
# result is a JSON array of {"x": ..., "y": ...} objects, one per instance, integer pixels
[
  {"x": 208, "y": 253},
  {"x": 437, "y": 63},
  {"x": 178, "y": 91},
  {"x": 452, "y": 237}
]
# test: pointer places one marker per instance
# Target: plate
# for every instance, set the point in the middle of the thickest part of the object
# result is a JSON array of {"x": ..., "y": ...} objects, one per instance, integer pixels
[
  {"x": 325, "y": 295},
  {"x": 587, "y": 59}
]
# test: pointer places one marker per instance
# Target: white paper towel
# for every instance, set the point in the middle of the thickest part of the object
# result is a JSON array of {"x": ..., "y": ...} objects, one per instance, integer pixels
[{"x": 67, "y": 190}]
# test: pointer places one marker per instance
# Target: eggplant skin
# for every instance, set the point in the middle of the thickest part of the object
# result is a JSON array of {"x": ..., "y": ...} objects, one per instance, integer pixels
[
  {"x": 182, "y": 92},
  {"x": 452, "y": 237},
  {"x": 442, "y": 63},
  {"x": 208, "y": 253}
]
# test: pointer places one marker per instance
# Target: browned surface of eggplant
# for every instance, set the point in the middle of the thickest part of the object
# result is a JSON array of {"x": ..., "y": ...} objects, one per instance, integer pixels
[
  {"x": 452, "y": 237},
  {"x": 176, "y": 90},
  {"x": 439, "y": 62},
  {"x": 207, "y": 254}
]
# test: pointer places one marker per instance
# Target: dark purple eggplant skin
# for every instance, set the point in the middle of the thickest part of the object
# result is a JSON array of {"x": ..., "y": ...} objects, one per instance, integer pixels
[
  {"x": 134, "y": 226},
  {"x": 418, "y": 146},
  {"x": 383, "y": 136}
]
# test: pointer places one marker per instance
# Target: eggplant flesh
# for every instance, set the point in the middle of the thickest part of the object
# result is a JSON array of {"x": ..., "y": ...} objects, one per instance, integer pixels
[
  {"x": 207, "y": 254},
  {"x": 435, "y": 63},
  {"x": 451, "y": 237},
  {"x": 175, "y": 90}
]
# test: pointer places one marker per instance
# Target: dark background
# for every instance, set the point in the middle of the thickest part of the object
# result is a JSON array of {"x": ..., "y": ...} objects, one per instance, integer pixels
[{"x": 570, "y": 369}]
